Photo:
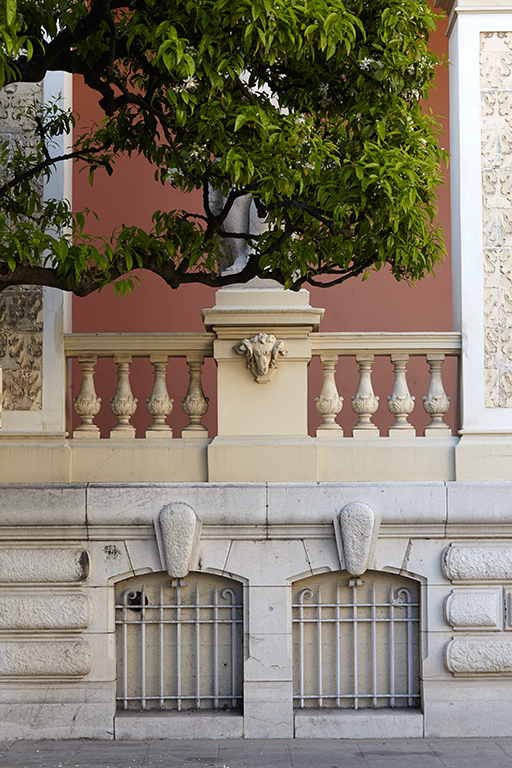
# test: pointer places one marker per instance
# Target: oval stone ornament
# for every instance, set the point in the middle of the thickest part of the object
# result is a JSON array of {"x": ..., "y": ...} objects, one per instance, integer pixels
[
  {"x": 180, "y": 529},
  {"x": 357, "y": 521}
]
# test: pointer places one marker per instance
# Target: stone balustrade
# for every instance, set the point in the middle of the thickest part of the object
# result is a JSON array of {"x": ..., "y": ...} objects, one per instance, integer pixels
[
  {"x": 262, "y": 415},
  {"x": 329, "y": 347},
  {"x": 158, "y": 348},
  {"x": 399, "y": 348}
]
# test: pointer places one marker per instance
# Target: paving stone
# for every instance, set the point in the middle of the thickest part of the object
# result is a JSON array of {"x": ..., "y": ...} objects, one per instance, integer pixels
[{"x": 279, "y": 753}]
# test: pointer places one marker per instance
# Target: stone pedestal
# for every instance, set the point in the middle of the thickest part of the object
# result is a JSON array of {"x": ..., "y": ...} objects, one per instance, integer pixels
[{"x": 262, "y": 352}]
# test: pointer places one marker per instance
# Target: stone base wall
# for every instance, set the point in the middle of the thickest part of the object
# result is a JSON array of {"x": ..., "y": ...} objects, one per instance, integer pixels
[{"x": 63, "y": 548}]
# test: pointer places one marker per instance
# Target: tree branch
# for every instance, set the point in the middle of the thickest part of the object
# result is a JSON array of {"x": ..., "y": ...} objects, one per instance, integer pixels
[{"x": 36, "y": 169}]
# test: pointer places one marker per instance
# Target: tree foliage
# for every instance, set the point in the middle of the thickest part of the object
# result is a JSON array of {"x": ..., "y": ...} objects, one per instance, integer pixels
[{"x": 310, "y": 107}]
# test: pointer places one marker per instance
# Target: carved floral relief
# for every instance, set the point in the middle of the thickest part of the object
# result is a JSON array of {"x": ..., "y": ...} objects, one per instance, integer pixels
[
  {"x": 21, "y": 347},
  {"x": 496, "y": 141},
  {"x": 21, "y": 308}
]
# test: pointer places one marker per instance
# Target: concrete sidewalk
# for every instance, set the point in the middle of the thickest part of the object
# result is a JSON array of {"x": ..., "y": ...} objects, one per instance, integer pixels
[{"x": 282, "y": 753}]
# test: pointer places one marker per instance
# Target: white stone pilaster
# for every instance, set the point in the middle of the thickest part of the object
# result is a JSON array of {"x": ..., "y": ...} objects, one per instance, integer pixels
[
  {"x": 481, "y": 172},
  {"x": 50, "y": 415}
]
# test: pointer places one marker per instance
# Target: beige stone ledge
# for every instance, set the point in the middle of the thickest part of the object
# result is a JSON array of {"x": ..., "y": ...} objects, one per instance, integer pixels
[
  {"x": 248, "y": 459},
  {"x": 287, "y": 458},
  {"x": 386, "y": 459},
  {"x": 39, "y": 462},
  {"x": 361, "y": 724},
  {"x": 178, "y": 725},
  {"x": 139, "y": 460},
  {"x": 485, "y": 456}
]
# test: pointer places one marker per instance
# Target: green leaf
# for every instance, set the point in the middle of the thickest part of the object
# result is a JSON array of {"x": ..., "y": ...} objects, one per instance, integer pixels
[
  {"x": 10, "y": 11},
  {"x": 240, "y": 121}
]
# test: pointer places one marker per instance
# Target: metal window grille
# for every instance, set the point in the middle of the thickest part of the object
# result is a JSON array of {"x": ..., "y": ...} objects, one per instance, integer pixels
[
  {"x": 179, "y": 643},
  {"x": 356, "y": 641}
]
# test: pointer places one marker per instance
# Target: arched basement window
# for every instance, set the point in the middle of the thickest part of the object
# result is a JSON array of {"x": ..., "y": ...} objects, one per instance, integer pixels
[
  {"x": 179, "y": 643},
  {"x": 356, "y": 641}
]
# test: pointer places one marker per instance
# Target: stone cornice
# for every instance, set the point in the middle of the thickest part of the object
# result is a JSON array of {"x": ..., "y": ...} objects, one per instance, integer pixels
[{"x": 454, "y": 7}]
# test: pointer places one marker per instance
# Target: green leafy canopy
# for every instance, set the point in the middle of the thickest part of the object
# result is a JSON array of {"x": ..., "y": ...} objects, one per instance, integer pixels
[{"x": 310, "y": 107}]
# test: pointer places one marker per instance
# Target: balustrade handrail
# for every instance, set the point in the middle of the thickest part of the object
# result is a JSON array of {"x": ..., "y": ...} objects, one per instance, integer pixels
[
  {"x": 413, "y": 343},
  {"x": 138, "y": 344}
]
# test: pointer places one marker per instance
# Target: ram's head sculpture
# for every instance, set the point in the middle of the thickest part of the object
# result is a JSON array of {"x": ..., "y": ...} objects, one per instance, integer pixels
[{"x": 261, "y": 353}]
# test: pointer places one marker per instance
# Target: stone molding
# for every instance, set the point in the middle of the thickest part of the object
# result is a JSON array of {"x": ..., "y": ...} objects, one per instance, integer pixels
[
  {"x": 474, "y": 610},
  {"x": 491, "y": 563},
  {"x": 180, "y": 530},
  {"x": 478, "y": 656},
  {"x": 55, "y": 658},
  {"x": 26, "y": 566},
  {"x": 45, "y": 610}
]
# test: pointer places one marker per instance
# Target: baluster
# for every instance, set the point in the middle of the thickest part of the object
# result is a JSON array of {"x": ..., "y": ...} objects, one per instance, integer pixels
[
  {"x": 195, "y": 404},
  {"x": 365, "y": 402},
  {"x": 87, "y": 405},
  {"x": 159, "y": 405},
  {"x": 123, "y": 404},
  {"x": 436, "y": 402},
  {"x": 400, "y": 402},
  {"x": 329, "y": 403}
]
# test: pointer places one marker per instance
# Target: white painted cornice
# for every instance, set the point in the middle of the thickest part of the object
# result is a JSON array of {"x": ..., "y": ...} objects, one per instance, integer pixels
[{"x": 455, "y": 7}]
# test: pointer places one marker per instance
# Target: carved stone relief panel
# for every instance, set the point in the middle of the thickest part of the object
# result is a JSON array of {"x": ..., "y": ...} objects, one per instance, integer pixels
[
  {"x": 21, "y": 347},
  {"x": 21, "y": 308},
  {"x": 496, "y": 150}
]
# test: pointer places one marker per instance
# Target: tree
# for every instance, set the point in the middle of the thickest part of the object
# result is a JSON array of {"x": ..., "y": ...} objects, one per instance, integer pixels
[{"x": 309, "y": 107}]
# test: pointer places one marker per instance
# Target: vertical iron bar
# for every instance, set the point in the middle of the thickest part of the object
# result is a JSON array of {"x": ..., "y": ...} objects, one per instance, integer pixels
[
  {"x": 391, "y": 647},
  {"x": 225, "y": 593},
  {"x": 198, "y": 648},
  {"x": 319, "y": 646},
  {"x": 215, "y": 649},
  {"x": 410, "y": 689},
  {"x": 125, "y": 654},
  {"x": 178, "y": 644},
  {"x": 354, "y": 611},
  {"x": 374, "y": 649},
  {"x": 143, "y": 647},
  {"x": 337, "y": 648},
  {"x": 161, "y": 646},
  {"x": 301, "y": 649},
  {"x": 233, "y": 652}
]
